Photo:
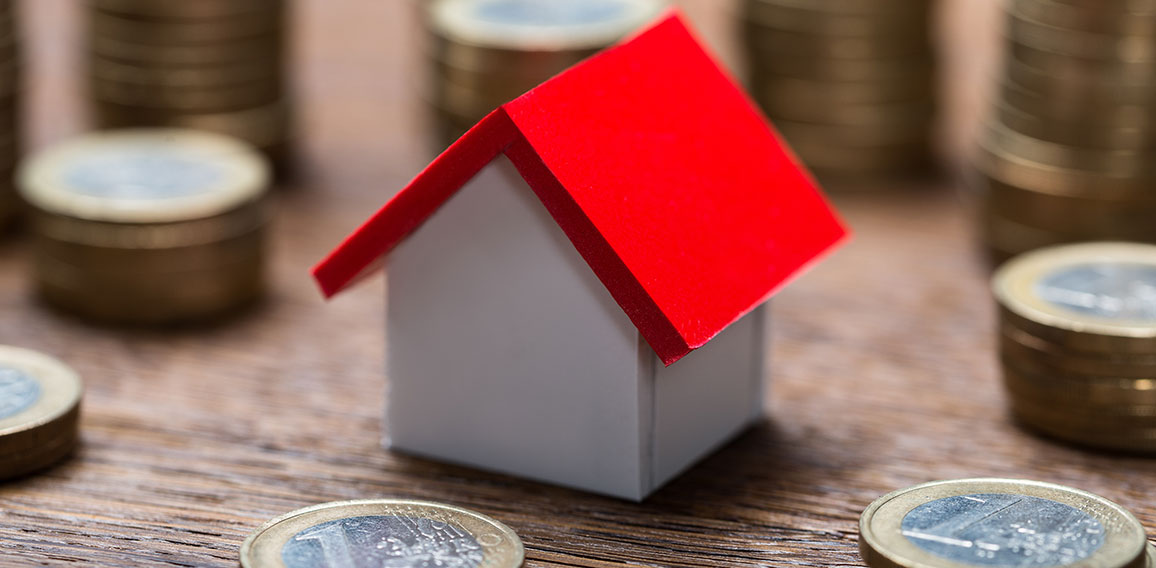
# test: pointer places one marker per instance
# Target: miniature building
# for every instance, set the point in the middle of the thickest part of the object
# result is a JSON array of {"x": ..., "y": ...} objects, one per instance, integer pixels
[{"x": 575, "y": 285}]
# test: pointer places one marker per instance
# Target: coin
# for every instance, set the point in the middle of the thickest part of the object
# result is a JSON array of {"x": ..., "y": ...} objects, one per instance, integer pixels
[
  {"x": 1102, "y": 289},
  {"x": 999, "y": 522},
  {"x": 39, "y": 410},
  {"x": 484, "y": 53},
  {"x": 849, "y": 83},
  {"x": 148, "y": 225},
  {"x": 382, "y": 532},
  {"x": 550, "y": 25},
  {"x": 212, "y": 64}
]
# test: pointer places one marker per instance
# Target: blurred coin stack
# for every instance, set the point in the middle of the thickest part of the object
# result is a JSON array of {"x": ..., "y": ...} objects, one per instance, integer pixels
[
  {"x": 1078, "y": 342},
  {"x": 850, "y": 84},
  {"x": 487, "y": 52},
  {"x": 9, "y": 100},
  {"x": 1069, "y": 151},
  {"x": 215, "y": 65},
  {"x": 148, "y": 226}
]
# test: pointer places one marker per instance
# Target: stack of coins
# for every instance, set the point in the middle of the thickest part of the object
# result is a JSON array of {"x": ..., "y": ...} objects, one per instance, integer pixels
[
  {"x": 1068, "y": 152},
  {"x": 486, "y": 52},
  {"x": 148, "y": 226},
  {"x": 215, "y": 65},
  {"x": 1000, "y": 522},
  {"x": 383, "y": 532},
  {"x": 9, "y": 116},
  {"x": 39, "y": 411},
  {"x": 848, "y": 83},
  {"x": 1078, "y": 342}
]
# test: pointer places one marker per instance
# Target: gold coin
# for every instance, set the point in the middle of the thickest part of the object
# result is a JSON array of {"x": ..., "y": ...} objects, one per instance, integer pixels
[
  {"x": 39, "y": 410},
  {"x": 545, "y": 25},
  {"x": 153, "y": 98},
  {"x": 1080, "y": 44},
  {"x": 979, "y": 522},
  {"x": 1130, "y": 18},
  {"x": 1076, "y": 131},
  {"x": 186, "y": 32},
  {"x": 382, "y": 532},
  {"x": 761, "y": 39},
  {"x": 249, "y": 50},
  {"x": 147, "y": 175},
  {"x": 884, "y": 22},
  {"x": 183, "y": 9},
  {"x": 1022, "y": 345},
  {"x": 1008, "y": 167},
  {"x": 1091, "y": 296},
  {"x": 262, "y": 126}
]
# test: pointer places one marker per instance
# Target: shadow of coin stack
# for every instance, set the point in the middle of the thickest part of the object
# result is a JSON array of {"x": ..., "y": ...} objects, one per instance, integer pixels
[
  {"x": 486, "y": 53},
  {"x": 1078, "y": 342},
  {"x": 10, "y": 82},
  {"x": 850, "y": 84},
  {"x": 1068, "y": 152},
  {"x": 214, "y": 65}
]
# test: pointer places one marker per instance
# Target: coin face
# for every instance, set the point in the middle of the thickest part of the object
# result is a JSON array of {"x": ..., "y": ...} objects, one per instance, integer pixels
[
  {"x": 18, "y": 391},
  {"x": 546, "y": 24},
  {"x": 372, "y": 533},
  {"x": 999, "y": 522},
  {"x": 1119, "y": 290},
  {"x": 144, "y": 176},
  {"x": 1101, "y": 288},
  {"x": 992, "y": 529}
]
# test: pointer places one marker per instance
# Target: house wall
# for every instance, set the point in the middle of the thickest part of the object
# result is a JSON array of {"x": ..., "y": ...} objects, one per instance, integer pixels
[
  {"x": 708, "y": 397},
  {"x": 504, "y": 350}
]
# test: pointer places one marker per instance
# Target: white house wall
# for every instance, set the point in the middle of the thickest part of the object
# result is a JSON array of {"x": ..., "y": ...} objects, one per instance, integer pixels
[
  {"x": 504, "y": 350},
  {"x": 708, "y": 397}
]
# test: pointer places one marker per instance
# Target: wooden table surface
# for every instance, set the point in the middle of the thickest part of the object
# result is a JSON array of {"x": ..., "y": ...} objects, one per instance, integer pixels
[{"x": 884, "y": 371}]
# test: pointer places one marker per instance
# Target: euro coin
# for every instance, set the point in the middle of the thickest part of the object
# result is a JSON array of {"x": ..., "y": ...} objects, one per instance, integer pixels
[
  {"x": 148, "y": 225},
  {"x": 39, "y": 410},
  {"x": 999, "y": 523},
  {"x": 382, "y": 532},
  {"x": 1099, "y": 296}
]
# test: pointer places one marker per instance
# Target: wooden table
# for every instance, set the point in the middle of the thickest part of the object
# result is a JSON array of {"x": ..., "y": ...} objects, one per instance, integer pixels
[{"x": 885, "y": 373}]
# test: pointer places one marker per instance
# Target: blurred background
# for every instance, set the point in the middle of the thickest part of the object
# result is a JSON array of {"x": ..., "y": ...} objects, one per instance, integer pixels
[{"x": 340, "y": 59}]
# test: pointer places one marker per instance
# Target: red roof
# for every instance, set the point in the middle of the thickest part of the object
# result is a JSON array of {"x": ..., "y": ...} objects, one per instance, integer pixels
[{"x": 659, "y": 169}]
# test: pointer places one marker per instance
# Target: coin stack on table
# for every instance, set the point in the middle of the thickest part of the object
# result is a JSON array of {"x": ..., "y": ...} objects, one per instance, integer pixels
[
  {"x": 215, "y": 65},
  {"x": 10, "y": 73},
  {"x": 148, "y": 226},
  {"x": 485, "y": 53},
  {"x": 850, "y": 84},
  {"x": 1000, "y": 523},
  {"x": 39, "y": 411},
  {"x": 1078, "y": 342},
  {"x": 1069, "y": 150}
]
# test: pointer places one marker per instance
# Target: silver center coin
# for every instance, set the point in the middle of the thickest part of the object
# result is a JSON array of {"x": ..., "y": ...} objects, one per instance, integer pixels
[
  {"x": 553, "y": 13},
  {"x": 1003, "y": 530},
  {"x": 384, "y": 541},
  {"x": 18, "y": 391},
  {"x": 145, "y": 174},
  {"x": 1110, "y": 290}
]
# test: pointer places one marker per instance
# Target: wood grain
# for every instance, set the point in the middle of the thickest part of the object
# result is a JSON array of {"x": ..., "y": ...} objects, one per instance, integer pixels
[{"x": 884, "y": 373}]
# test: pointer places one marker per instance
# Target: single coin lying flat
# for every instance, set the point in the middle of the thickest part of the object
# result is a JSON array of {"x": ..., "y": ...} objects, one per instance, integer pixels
[
  {"x": 1001, "y": 523},
  {"x": 382, "y": 532}
]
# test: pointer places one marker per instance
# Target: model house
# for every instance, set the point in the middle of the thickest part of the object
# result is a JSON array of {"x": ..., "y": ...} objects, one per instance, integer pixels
[{"x": 575, "y": 287}]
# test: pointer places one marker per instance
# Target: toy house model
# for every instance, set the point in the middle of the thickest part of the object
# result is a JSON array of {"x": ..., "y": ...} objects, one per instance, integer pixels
[{"x": 575, "y": 285}]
